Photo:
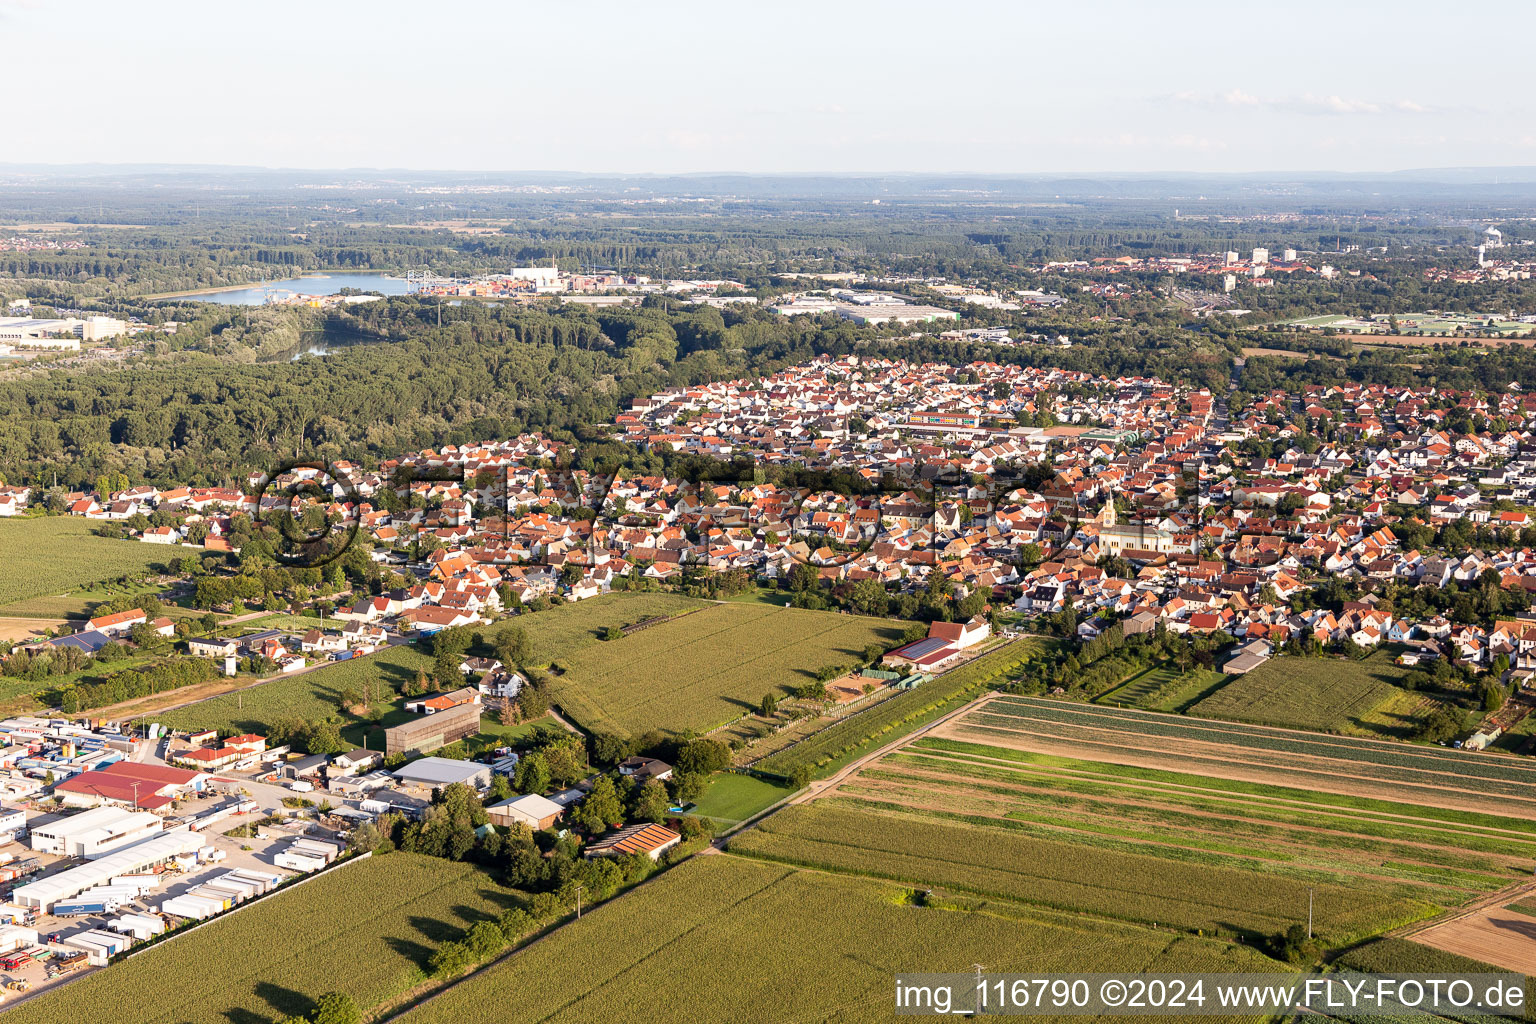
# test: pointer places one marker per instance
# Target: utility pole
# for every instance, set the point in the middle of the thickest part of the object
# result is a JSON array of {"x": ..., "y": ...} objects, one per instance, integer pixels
[
  {"x": 1309, "y": 912},
  {"x": 981, "y": 990},
  {"x": 578, "y": 901}
]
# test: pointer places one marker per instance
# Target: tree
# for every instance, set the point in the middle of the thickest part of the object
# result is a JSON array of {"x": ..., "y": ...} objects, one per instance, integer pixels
[
  {"x": 513, "y": 647},
  {"x": 601, "y": 808},
  {"x": 532, "y": 775},
  {"x": 336, "y": 1008},
  {"x": 650, "y": 802},
  {"x": 501, "y": 789},
  {"x": 769, "y": 705},
  {"x": 703, "y": 756},
  {"x": 325, "y": 738},
  {"x": 451, "y": 958}
]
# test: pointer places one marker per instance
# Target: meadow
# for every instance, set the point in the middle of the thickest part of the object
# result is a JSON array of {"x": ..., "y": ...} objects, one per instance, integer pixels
[
  {"x": 56, "y": 556},
  {"x": 708, "y": 667},
  {"x": 1323, "y": 694},
  {"x": 315, "y": 695},
  {"x": 724, "y": 938},
  {"x": 366, "y": 929}
]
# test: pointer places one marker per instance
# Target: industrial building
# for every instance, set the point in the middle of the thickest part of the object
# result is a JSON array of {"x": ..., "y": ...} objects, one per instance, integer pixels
[
  {"x": 429, "y": 732},
  {"x": 443, "y": 771},
  {"x": 145, "y": 787},
  {"x": 95, "y": 832},
  {"x": 30, "y": 332},
  {"x": 131, "y": 860}
]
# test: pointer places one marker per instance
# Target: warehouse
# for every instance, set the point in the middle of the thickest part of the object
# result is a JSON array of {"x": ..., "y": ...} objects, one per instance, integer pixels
[
  {"x": 434, "y": 772},
  {"x": 535, "y": 811},
  {"x": 95, "y": 832},
  {"x": 131, "y": 860},
  {"x": 429, "y": 732},
  {"x": 144, "y": 787}
]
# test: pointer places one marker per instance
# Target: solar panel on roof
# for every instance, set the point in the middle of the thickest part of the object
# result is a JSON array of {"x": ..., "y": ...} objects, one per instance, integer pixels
[{"x": 922, "y": 648}]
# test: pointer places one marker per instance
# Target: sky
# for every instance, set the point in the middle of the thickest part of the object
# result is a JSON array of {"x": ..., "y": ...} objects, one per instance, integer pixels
[{"x": 676, "y": 86}]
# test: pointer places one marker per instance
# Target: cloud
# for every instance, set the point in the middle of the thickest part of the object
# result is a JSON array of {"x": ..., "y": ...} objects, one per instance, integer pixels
[{"x": 1307, "y": 103}]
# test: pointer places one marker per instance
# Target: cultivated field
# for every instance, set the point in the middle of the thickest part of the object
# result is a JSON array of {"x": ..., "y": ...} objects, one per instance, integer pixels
[
  {"x": 726, "y": 939},
  {"x": 25, "y": 629},
  {"x": 708, "y": 667},
  {"x": 59, "y": 554},
  {"x": 1321, "y": 694},
  {"x": 1161, "y": 688},
  {"x": 1499, "y": 936},
  {"x": 1110, "y": 838},
  {"x": 562, "y": 631},
  {"x": 1438, "y": 777},
  {"x": 366, "y": 929}
]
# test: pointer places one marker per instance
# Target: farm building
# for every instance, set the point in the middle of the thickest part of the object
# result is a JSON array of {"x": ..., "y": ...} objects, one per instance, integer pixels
[
  {"x": 94, "y": 832},
  {"x": 922, "y": 654},
  {"x": 961, "y": 634},
  {"x": 650, "y": 839},
  {"x": 532, "y": 810},
  {"x": 429, "y": 732}
]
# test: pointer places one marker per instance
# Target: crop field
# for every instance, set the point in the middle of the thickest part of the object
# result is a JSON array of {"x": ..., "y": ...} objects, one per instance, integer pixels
[
  {"x": 1161, "y": 688},
  {"x": 1493, "y": 783},
  {"x": 366, "y": 929},
  {"x": 1322, "y": 694},
  {"x": 1396, "y": 850},
  {"x": 1070, "y": 874},
  {"x": 1499, "y": 935},
  {"x": 59, "y": 554},
  {"x": 560, "y": 632},
  {"x": 708, "y": 667},
  {"x": 758, "y": 943},
  {"x": 888, "y": 720}
]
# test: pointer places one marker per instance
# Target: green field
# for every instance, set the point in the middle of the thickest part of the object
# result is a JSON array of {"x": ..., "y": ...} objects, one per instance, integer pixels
[
  {"x": 721, "y": 938},
  {"x": 562, "y": 631},
  {"x": 1321, "y": 694},
  {"x": 733, "y": 797},
  {"x": 366, "y": 929},
  {"x": 58, "y": 556},
  {"x": 1200, "y": 853},
  {"x": 709, "y": 667},
  {"x": 314, "y": 695}
]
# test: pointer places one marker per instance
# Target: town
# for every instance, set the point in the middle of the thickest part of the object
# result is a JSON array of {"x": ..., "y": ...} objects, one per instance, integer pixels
[{"x": 813, "y": 534}]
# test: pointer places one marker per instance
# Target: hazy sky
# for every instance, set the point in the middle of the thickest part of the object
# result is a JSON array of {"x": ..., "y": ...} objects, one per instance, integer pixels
[{"x": 589, "y": 85}]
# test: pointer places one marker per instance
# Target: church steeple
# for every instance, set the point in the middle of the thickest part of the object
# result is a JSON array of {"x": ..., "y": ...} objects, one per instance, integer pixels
[{"x": 1107, "y": 513}]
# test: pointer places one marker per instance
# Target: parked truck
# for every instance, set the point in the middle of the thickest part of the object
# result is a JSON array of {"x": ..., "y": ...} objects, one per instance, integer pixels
[
  {"x": 68, "y": 963},
  {"x": 85, "y": 908}
]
